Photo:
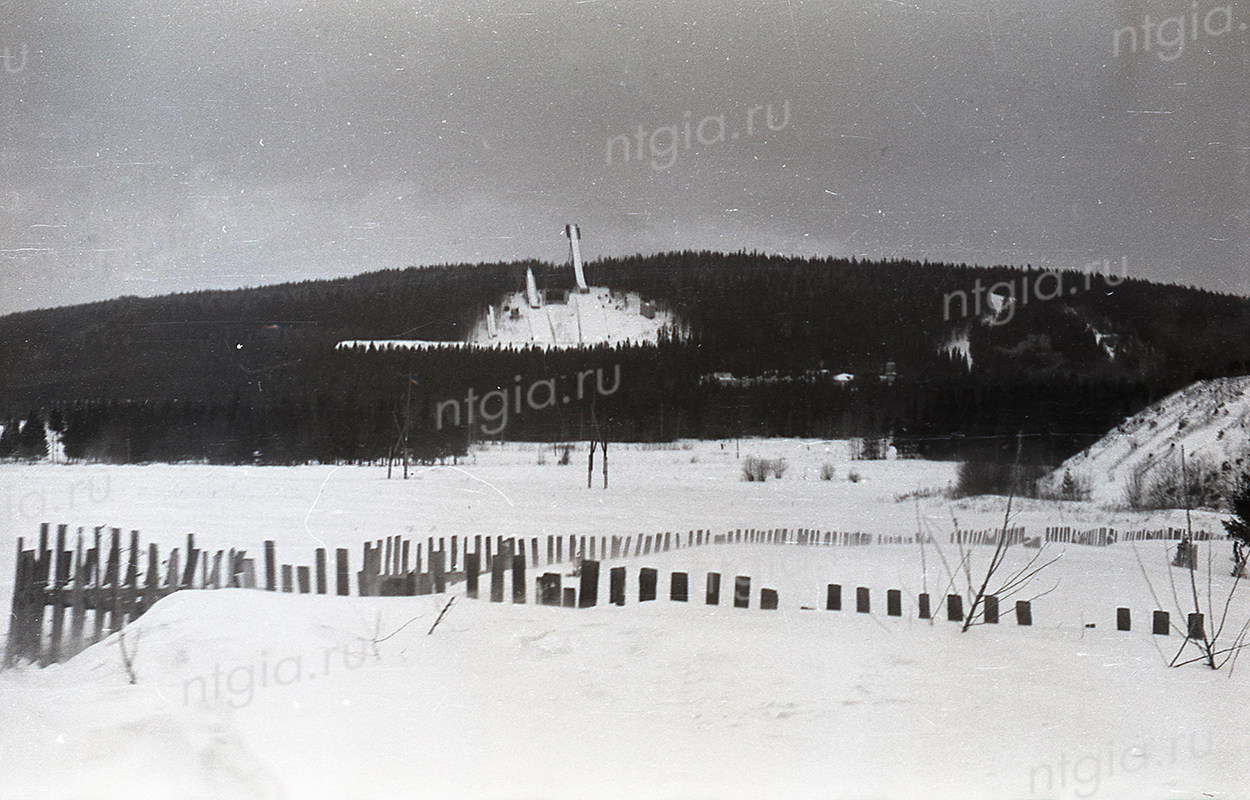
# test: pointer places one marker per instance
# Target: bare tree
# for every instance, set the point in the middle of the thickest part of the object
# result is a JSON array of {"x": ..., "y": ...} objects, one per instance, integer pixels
[
  {"x": 989, "y": 582},
  {"x": 1213, "y": 616}
]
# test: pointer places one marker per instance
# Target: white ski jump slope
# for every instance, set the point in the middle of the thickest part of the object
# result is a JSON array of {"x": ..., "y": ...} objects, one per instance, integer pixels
[{"x": 600, "y": 316}]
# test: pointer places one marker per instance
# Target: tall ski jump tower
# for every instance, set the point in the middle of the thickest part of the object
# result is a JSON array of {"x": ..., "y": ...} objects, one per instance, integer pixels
[{"x": 575, "y": 247}]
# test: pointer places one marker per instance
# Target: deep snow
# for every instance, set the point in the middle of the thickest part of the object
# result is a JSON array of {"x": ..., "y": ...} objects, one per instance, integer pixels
[{"x": 253, "y": 695}]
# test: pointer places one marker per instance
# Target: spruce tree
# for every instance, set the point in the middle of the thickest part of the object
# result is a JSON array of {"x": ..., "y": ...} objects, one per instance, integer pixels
[
  {"x": 1238, "y": 526},
  {"x": 8, "y": 438},
  {"x": 32, "y": 442}
]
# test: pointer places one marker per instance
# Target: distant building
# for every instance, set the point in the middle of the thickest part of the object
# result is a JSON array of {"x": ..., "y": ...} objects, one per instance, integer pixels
[{"x": 722, "y": 379}]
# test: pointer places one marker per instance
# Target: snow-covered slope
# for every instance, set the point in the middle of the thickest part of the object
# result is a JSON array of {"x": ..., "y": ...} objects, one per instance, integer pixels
[
  {"x": 600, "y": 316},
  {"x": 1210, "y": 420}
]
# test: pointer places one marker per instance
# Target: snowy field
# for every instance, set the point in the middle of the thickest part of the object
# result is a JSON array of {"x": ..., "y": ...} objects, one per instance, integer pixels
[{"x": 245, "y": 694}]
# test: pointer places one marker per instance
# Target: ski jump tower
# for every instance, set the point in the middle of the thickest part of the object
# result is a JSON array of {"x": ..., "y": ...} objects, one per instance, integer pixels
[
  {"x": 575, "y": 247},
  {"x": 575, "y": 250},
  {"x": 531, "y": 288}
]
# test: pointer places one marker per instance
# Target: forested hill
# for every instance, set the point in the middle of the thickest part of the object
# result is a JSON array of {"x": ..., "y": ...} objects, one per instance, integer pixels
[{"x": 1072, "y": 352}]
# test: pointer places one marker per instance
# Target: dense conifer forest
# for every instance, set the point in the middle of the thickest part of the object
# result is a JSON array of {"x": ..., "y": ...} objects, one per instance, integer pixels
[{"x": 253, "y": 376}]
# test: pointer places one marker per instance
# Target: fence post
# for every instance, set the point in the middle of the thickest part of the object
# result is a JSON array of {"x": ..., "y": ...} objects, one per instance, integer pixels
[
  {"x": 1195, "y": 628},
  {"x": 925, "y": 612},
  {"x": 1162, "y": 624},
  {"x": 321, "y": 570},
  {"x": 713, "y": 588},
  {"x": 287, "y": 579},
  {"x": 17, "y": 613},
  {"x": 616, "y": 586},
  {"x": 152, "y": 581},
  {"x": 114, "y": 579},
  {"x": 588, "y": 595},
  {"x": 894, "y": 602},
  {"x": 833, "y": 597},
  {"x": 271, "y": 575},
  {"x": 303, "y": 577},
  {"x": 438, "y": 568},
  {"x": 646, "y": 584},
  {"x": 1123, "y": 620},
  {"x": 518, "y": 570},
  {"x": 742, "y": 591},
  {"x": 78, "y": 599},
  {"x": 498, "y": 566},
  {"x": 768, "y": 599},
  {"x": 213, "y": 578},
  {"x": 1024, "y": 612},
  {"x": 472, "y": 563},
  {"x": 550, "y": 589},
  {"x": 193, "y": 554},
  {"x": 343, "y": 586},
  {"x": 991, "y": 609},
  {"x": 679, "y": 587},
  {"x": 862, "y": 605},
  {"x": 59, "y": 578},
  {"x": 954, "y": 608}
]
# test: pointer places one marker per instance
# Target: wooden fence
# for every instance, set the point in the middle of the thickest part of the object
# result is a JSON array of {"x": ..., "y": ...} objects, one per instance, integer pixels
[
  {"x": 1096, "y": 537},
  {"x": 65, "y": 599},
  {"x": 101, "y": 585}
]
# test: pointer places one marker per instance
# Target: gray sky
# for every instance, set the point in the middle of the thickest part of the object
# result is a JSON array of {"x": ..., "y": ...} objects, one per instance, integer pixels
[{"x": 149, "y": 147}]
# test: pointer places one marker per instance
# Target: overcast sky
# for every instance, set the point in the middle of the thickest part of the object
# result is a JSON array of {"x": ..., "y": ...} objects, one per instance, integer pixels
[{"x": 150, "y": 147}]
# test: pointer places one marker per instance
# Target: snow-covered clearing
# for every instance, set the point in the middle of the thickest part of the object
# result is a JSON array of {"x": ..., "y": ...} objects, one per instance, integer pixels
[{"x": 254, "y": 695}]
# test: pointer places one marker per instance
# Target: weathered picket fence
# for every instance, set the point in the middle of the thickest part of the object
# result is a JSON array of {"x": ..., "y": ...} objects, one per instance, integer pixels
[
  {"x": 101, "y": 588},
  {"x": 1096, "y": 537},
  {"x": 1015, "y": 535},
  {"x": 67, "y": 599}
]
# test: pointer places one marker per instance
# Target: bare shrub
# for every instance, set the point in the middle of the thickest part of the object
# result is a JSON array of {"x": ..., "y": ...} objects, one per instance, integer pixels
[
  {"x": 566, "y": 454},
  {"x": 754, "y": 469},
  {"x": 989, "y": 477},
  {"x": 1135, "y": 488},
  {"x": 757, "y": 470},
  {"x": 826, "y": 471},
  {"x": 853, "y": 476},
  {"x": 1154, "y": 487}
]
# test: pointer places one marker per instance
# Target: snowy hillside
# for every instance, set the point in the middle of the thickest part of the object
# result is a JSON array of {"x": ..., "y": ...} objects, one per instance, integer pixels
[
  {"x": 600, "y": 316},
  {"x": 1210, "y": 420}
]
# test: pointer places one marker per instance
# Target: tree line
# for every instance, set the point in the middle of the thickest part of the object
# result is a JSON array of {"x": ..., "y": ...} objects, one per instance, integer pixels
[{"x": 252, "y": 375}]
